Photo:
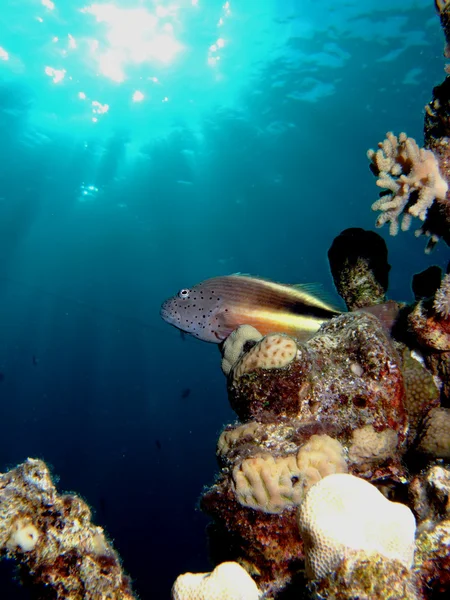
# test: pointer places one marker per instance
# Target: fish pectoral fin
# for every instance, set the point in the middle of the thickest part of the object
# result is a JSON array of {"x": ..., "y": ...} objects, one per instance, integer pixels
[{"x": 226, "y": 322}]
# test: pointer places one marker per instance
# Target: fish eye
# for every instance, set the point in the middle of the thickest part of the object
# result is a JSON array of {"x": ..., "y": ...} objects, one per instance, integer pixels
[{"x": 184, "y": 293}]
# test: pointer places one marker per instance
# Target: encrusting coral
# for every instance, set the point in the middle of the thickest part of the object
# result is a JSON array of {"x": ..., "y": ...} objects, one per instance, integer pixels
[
  {"x": 53, "y": 538},
  {"x": 434, "y": 438},
  {"x": 370, "y": 447}
]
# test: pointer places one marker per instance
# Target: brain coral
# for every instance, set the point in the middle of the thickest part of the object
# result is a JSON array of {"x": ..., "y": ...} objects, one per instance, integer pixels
[
  {"x": 275, "y": 351},
  {"x": 271, "y": 484},
  {"x": 343, "y": 512},
  {"x": 228, "y": 581}
]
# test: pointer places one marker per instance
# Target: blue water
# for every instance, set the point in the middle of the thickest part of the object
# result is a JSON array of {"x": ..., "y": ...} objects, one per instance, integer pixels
[{"x": 147, "y": 146}]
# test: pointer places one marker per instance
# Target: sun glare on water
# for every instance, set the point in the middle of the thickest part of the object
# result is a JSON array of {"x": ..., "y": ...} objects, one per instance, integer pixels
[
  {"x": 165, "y": 55},
  {"x": 134, "y": 36}
]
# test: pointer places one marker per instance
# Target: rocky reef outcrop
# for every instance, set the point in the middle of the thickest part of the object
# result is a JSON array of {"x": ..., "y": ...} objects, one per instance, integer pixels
[
  {"x": 61, "y": 552},
  {"x": 334, "y": 481}
]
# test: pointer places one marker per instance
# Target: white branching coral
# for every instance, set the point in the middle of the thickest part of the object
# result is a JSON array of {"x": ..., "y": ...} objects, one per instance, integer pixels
[
  {"x": 442, "y": 298},
  {"x": 410, "y": 177}
]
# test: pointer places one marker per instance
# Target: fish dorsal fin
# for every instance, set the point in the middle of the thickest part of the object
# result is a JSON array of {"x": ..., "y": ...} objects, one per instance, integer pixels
[
  {"x": 316, "y": 289},
  {"x": 312, "y": 289}
]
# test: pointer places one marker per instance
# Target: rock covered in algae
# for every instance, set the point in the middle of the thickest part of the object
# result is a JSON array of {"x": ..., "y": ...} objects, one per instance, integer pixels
[
  {"x": 366, "y": 578},
  {"x": 349, "y": 400},
  {"x": 360, "y": 269},
  {"x": 429, "y": 326},
  {"x": 430, "y": 499},
  {"x": 345, "y": 377},
  {"x": 334, "y": 404},
  {"x": 54, "y": 540}
]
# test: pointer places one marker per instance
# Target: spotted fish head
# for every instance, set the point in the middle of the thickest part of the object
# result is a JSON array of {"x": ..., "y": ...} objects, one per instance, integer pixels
[{"x": 197, "y": 311}]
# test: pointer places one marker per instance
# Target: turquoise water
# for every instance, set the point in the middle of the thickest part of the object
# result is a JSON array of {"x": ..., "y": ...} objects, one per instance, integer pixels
[{"x": 147, "y": 146}]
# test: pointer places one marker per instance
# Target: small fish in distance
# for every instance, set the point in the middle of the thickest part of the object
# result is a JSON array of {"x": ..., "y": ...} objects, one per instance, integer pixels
[{"x": 215, "y": 307}]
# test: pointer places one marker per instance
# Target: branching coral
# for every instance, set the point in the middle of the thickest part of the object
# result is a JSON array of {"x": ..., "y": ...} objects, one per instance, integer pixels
[
  {"x": 412, "y": 180},
  {"x": 441, "y": 302}
]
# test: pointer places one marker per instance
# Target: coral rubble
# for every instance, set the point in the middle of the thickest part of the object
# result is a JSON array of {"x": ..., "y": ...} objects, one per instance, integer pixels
[{"x": 54, "y": 540}]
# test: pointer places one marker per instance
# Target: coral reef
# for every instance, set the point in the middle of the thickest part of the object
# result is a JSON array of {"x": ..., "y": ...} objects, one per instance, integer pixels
[
  {"x": 52, "y": 536},
  {"x": 228, "y": 581},
  {"x": 349, "y": 400},
  {"x": 339, "y": 448},
  {"x": 333, "y": 404},
  {"x": 333, "y": 481}
]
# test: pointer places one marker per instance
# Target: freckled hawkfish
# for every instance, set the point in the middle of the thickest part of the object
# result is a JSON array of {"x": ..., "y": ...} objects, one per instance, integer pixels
[{"x": 215, "y": 307}]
